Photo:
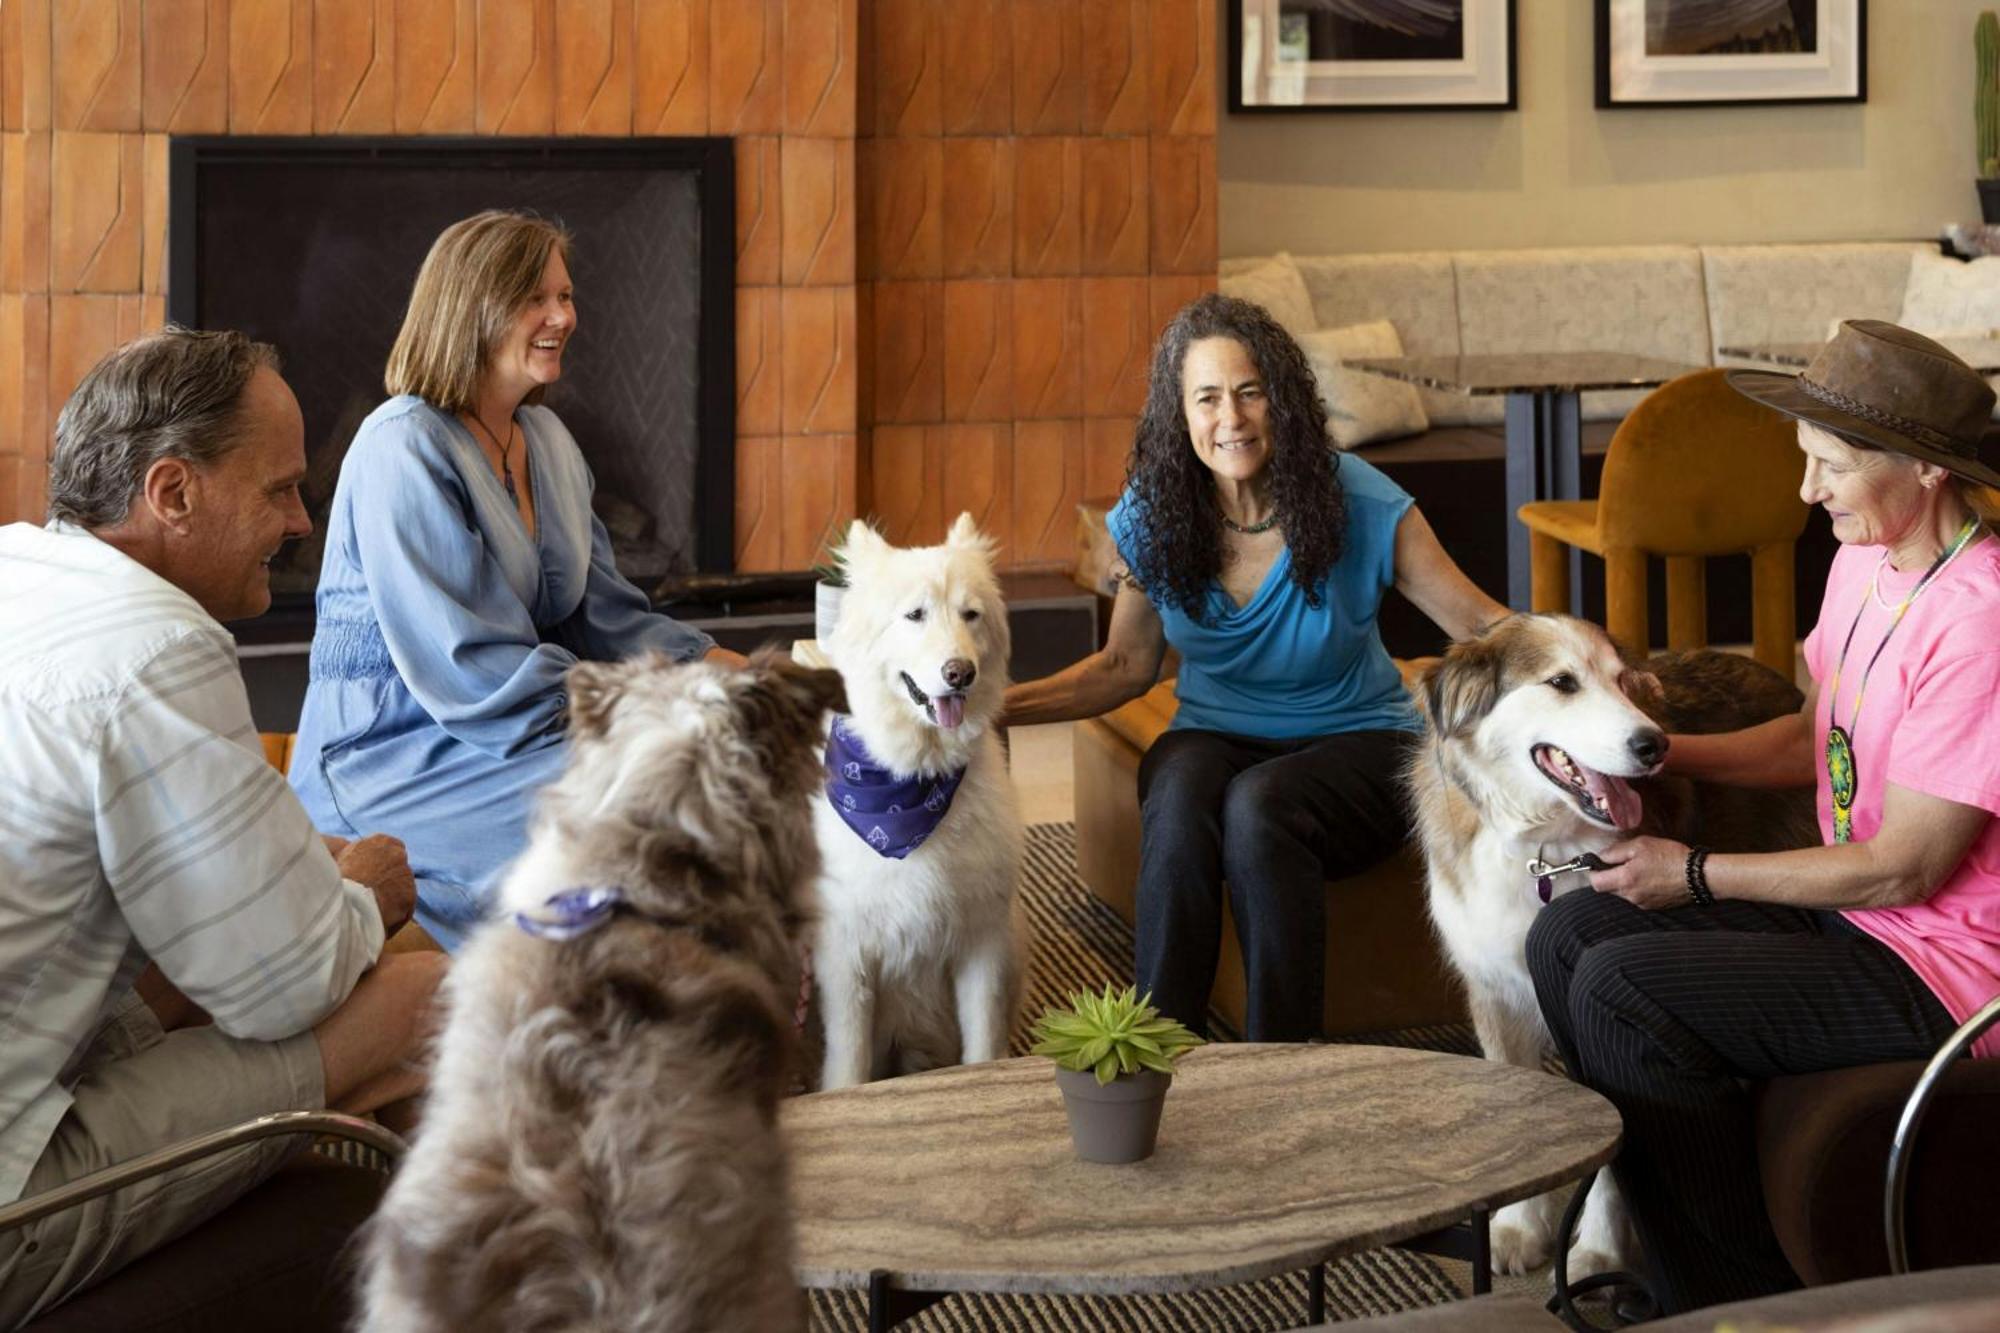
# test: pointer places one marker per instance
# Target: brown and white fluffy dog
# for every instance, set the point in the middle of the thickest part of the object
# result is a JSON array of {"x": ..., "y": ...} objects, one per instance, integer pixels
[
  {"x": 600, "y": 1149},
  {"x": 1544, "y": 742}
]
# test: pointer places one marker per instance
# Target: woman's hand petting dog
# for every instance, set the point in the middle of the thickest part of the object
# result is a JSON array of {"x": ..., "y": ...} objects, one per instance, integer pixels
[{"x": 1646, "y": 872}]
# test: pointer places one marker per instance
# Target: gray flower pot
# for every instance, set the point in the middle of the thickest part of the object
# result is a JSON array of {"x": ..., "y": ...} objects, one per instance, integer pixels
[{"x": 1117, "y": 1121}]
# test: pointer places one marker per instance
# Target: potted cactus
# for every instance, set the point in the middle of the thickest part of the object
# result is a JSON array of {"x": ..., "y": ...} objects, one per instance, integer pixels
[
  {"x": 1986, "y": 111},
  {"x": 1114, "y": 1057}
]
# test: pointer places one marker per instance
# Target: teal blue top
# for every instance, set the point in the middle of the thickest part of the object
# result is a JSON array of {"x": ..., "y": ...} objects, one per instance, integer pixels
[{"x": 1278, "y": 667}]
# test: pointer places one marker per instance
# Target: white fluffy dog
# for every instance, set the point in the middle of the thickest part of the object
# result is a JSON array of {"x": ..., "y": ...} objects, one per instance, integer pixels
[
  {"x": 916, "y": 960},
  {"x": 1538, "y": 732}
]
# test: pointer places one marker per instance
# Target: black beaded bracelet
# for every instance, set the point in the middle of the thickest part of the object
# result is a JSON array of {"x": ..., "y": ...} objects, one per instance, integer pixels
[{"x": 1697, "y": 877}]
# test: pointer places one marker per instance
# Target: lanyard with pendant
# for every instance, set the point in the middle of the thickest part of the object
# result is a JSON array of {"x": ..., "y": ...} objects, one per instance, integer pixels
[{"x": 1840, "y": 740}]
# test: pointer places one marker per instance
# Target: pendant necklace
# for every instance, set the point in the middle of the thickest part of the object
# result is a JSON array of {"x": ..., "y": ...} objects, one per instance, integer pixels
[
  {"x": 506, "y": 468},
  {"x": 1839, "y": 739}
]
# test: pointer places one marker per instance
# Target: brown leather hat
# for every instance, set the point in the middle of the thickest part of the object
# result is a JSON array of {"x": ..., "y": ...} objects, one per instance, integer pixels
[{"x": 1884, "y": 387}]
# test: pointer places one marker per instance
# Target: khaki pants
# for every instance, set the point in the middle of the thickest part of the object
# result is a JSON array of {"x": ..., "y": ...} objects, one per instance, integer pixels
[{"x": 141, "y": 1089}]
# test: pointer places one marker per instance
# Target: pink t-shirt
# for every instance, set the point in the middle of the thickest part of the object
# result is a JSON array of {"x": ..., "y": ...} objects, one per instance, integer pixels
[{"x": 1926, "y": 724}]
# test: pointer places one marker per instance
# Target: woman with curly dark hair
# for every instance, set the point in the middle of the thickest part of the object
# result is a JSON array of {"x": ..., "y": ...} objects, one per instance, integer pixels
[{"x": 1261, "y": 555}]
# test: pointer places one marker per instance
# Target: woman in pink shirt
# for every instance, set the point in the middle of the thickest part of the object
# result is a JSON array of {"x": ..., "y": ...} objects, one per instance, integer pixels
[{"x": 1684, "y": 974}]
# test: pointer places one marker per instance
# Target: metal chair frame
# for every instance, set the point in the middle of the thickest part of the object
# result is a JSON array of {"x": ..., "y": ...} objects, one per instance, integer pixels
[{"x": 1896, "y": 1187}]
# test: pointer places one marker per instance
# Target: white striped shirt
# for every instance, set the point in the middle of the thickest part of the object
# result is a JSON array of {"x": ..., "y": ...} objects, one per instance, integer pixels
[{"x": 139, "y": 820}]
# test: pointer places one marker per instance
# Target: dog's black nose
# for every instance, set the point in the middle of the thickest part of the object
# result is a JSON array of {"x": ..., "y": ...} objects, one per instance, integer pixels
[
  {"x": 959, "y": 673},
  {"x": 1649, "y": 747}
]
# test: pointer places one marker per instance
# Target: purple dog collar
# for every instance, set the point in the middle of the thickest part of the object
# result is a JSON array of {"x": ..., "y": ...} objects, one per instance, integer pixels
[{"x": 573, "y": 912}]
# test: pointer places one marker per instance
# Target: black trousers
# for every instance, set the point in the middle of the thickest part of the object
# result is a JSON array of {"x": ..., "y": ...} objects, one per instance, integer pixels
[
  {"x": 1664, "y": 1012},
  {"x": 1276, "y": 819}
]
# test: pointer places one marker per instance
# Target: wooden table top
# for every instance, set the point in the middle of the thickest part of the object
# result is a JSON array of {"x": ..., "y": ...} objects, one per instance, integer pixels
[{"x": 1270, "y": 1158}]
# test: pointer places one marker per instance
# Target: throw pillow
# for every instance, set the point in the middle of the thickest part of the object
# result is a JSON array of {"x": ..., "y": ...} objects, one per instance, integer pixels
[
  {"x": 1362, "y": 408},
  {"x": 1947, "y": 297},
  {"x": 1276, "y": 285}
]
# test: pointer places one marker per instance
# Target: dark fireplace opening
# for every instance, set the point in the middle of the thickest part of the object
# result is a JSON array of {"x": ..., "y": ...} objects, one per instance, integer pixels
[{"x": 312, "y": 244}]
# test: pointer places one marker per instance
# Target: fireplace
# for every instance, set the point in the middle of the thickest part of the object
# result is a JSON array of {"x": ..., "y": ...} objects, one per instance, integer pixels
[{"x": 312, "y": 244}]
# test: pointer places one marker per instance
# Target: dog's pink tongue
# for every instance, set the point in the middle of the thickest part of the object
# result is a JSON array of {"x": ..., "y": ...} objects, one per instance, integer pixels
[
  {"x": 950, "y": 709},
  {"x": 1620, "y": 802}
]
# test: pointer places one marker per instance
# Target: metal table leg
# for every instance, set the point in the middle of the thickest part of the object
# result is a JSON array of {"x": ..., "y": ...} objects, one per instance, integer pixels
[
  {"x": 1482, "y": 1249},
  {"x": 1544, "y": 462},
  {"x": 889, "y": 1306},
  {"x": 1316, "y": 1295}
]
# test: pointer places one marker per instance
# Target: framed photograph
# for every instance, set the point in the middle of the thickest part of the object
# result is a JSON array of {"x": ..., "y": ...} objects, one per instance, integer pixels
[
  {"x": 1371, "y": 55},
  {"x": 1731, "y": 52}
]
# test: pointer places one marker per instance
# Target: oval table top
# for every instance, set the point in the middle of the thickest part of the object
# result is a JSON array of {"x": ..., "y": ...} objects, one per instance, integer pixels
[{"x": 1270, "y": 1158}]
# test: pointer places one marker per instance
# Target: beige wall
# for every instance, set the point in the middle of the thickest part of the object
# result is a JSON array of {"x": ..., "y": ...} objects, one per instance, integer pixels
[{"x": 1560, "y": 172}]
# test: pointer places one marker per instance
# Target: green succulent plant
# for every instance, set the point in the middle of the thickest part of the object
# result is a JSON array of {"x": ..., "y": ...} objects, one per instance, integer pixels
[
  {"x": 1113, "y": 1033},
  {"x": 1986, "y": 92}
]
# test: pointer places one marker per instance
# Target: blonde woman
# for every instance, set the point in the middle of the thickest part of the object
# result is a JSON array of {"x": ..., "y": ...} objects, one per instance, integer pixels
[{"x": 464, "y": 574}]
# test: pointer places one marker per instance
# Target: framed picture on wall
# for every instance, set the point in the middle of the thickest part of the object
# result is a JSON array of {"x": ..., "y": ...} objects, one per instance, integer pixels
[
  {"x": 1371, "y": 55},
  {"x": 1731, "y": 52}
]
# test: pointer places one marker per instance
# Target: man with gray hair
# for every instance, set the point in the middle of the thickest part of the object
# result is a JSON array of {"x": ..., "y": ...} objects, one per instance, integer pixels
[{"x": 179, "y": 949}]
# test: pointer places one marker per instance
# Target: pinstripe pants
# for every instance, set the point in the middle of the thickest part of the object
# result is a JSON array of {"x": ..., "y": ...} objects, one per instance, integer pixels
[{"x": 1666, "y": 1012}]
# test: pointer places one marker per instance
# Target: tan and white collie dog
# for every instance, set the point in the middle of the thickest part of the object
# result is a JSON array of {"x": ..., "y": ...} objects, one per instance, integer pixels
[
  {"x": 1543, "y": 742},
  {"x": 916, "y": 961}
]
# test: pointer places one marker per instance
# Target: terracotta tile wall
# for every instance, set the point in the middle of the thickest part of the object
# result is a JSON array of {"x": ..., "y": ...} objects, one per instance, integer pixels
[
  {"x": 950, "y": 313},
  {"x": 1037, "y": 196}
]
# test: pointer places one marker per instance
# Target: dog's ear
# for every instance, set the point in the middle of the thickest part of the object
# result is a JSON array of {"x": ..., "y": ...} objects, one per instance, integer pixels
[
  {"x": 1463, "y": 688},
  {"x": 790, "y": 695},
  {"x": 593, "y": 689},
  {"x": 863, "y": 543},
  {"x": 965, "y": 535}
]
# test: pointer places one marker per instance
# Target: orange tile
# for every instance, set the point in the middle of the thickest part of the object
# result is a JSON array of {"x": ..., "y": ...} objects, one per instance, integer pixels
[
  {"x": 97, "y": 186},
  {"x": 902, "y": 181},
  {"x": 978, "y": 351},
  {"x": 152, "y": 312},
  {"x": 821, "y": 366},
  {"x": 816, "y": 210},
  {"x": 82, "y": 329},
  {"x": 759, "y": 254},
  {"x": 270, "y": 67},
  {"x": 1048, "y": 486},
  {"x": 1107, "y": 449},
  {"x": 516, "y": 65},
  {"x": 437, "y": 73},
  {"x": 10, "y": 489},
  {"x": 977, "y": 478},
  {"x": 1047, "y": 360},
  {"x": 1048, "y": 67},
  {"x": 1115, "y": 51},
  {"x": 1182, "y": 191},
  {"x": 18, "y": 222},
  {"x": 12, "y": 371},
  {"x": 96, "y": 64},
  {"x": 907, "y": 76},
  {"x": 758, "y": 518},
  {"x": 978, "y": 195},
  {"x": 904, "y": 471},
  {"x": 33, "y": 502},
  {"x": 1048, "y": 206},
  {"x": 975, "y": 53},
  {"x": 153, "y": 213},
  {"x": 354, "y": 66},
  {"x": 1114, "y": 206},
  {"x": 746, "y": 67},
  {"x": 759, "y": 407},
  {"x": 184, "y": 66},
  {"x": 815, "y": 496},
  {"x": 908, "y": 345},
  {"x": 34, "y": 418},
  {"x": 1117, "y": 345},
  {"x": 670, "y": 67},
  {"x": 10, "y": 68},
  {"x": 594, "y": 67},
  {"x": 33, "y": 21},
  {"x": 1183, "y": 66},
  {"x": 821, "y": 62},
  {"x": 1165, "y": 295}
]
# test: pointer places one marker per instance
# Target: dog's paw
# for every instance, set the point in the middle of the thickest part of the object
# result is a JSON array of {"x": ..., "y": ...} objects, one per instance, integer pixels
[
  {"x": 1587, "y": 1261},
  {"x": 1521, "y": 1241}
]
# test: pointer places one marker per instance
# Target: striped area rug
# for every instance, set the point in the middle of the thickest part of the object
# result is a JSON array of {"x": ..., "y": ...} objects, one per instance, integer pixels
[{"x": 1078, "y": 943}]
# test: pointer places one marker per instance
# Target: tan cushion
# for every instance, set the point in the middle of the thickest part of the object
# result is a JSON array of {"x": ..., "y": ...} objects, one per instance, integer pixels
[
  {"x": 1274, "y": 284},
  {"x": 1362, "y": 408},
  {"x": 1417, "y": 293},
  {"x": 1791, "y": 293}
]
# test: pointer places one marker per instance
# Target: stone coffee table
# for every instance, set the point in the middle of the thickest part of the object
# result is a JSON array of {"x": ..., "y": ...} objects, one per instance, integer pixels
[{"x": 1271, "y": 1158}]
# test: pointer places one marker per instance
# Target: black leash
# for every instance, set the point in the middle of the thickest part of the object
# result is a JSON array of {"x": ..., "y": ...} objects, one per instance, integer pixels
[{"x": 1636, "y": 1308}]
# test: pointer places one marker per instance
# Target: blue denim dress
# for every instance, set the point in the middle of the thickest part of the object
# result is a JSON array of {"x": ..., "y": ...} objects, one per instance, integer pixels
[{"x": 435, "y": 710}]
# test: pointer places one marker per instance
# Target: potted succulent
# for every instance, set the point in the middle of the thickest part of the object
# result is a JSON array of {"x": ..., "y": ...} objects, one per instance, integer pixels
[
  {"x": 1114, "y": 1057},
  {"x": 829, "y": 586},
  {"x": 1986, "y": 112}
]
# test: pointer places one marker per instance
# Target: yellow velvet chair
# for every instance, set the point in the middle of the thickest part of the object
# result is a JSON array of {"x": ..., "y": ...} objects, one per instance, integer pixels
[
  {"x": 1696, "y": 470},
  {"x": 278, "y": 749}
]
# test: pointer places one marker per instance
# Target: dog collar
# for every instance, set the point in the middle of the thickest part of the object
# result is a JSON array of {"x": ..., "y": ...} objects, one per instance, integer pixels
[
  {"x": 573, "y": 912},
  {"x": 892, "y": 814},
  {"x": 1545, "y": 873}
]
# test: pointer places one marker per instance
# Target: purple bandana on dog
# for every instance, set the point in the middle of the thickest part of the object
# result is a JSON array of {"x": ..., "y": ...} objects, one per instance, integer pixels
[
  {"x": 891, "y": 814},
  {"x": 571, "y": 913}
]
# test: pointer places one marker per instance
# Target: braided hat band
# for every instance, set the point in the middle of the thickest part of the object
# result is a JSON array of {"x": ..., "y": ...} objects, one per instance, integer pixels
[{"x": 1916, "y": 430}]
